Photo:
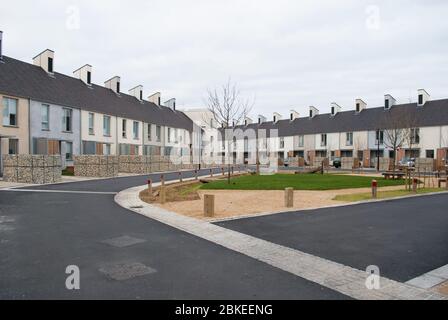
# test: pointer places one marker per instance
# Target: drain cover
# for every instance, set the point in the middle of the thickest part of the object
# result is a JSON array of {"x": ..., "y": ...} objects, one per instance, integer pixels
[
  {"x": 125, "y": 271},
  {"x": 123, "y": 241}
]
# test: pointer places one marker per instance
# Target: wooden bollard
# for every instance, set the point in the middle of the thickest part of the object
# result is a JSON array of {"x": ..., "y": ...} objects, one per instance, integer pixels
[
  {"x": 414, "y": 185},
  {"x": 222, "y": 171},
  {"x": 374, "y": 189},
  {"x": 162, "y": 179},
  {"x": 211, "y": 173},
  {"x": 180, "y": 176},
  {"x": 209, "y": 205},
  {"x": 196, "y": 174},
  {"x": 150, "y": 186},
  {"x": 232, "y": 170},
  {"x": 289, "y": 197},
  {"x": 162, "y": 195}
]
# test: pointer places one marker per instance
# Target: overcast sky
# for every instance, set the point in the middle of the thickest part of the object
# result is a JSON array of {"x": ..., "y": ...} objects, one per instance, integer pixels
[{"x": 286, "y": 54}]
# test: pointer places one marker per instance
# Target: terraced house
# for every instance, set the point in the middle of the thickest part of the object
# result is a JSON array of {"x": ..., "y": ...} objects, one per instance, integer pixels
[
  {"x": 363, "y": 133},
  {"x": 46, "y": 112}
]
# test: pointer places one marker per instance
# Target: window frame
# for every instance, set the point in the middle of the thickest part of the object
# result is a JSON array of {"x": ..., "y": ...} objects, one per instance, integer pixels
[
  {"x": 349, "y": 139},
  {"x": 91, "y": 126},
  {"x": 6, "y": 106},
  {"x": 135, "y": 130},
  {"x": 70, "y": 157},
  {"x": 42, "y": 122},
  {"x": 323, "y": 142},
  {"x": 106, "y": 133},
  {"x": 64, "y": 120}
]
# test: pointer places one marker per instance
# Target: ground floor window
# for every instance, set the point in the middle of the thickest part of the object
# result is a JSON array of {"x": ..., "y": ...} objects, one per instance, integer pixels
[
  {"x": 68, "y": 150},
  {"x": 430, "y": 154},
  {"x": 128, "y": 149},
  {"x": 412, "y": 153},
  {"x": 13, "y": 147},
  {"x": 300, "y": 153},
  {"x": 321, "y": 153},
  {"x": 346, "y": 153},
  {"x": 46, "y": 146},
  {"x": 107, "y": 149}
]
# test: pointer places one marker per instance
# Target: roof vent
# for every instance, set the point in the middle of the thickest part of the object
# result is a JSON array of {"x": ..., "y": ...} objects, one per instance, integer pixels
[
  {"x": 293, "y": 115},
  {"x": 137, "y": 92},
  {"x": 45, "y": 60},
  {"x": 335, "y": 109},
  {"x": 261, "y": 119},
  {"x": 155, "y": 98},
  {"x": 313, "y": 112},
  {"x": 84, "y": 74},
  {"x": 389, "y": 101},
  {"x": 360, "y": 105},
  {"x": 423, "y": 97},
  {"x": 113, "y": 84},
  {"x": 171, "y": 104}
]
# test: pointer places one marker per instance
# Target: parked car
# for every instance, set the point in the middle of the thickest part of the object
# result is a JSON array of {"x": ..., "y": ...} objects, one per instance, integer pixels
[
  {"x": 407, "y": 162},
  {"x": 336, "y": 162}
]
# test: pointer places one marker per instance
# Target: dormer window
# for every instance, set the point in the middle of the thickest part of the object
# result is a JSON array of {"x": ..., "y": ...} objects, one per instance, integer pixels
[
  {"x": 420, "y": 99},
  {"x": 118, "y": 87},
  {"x": 141, "y": 95},
  {"x": 311, "y": 113},
  {"x": 291, "y": 117},
  {"x": 386, "y": 104},
  {"x": 50, "y": 64},
  {"x": 358, "y": 107},
  {"x": 89, "y": 77}
]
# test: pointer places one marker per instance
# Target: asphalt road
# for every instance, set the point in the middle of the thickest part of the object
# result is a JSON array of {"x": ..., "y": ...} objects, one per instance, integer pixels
[
  {"x": 42, "y": 233},
  {"x": 404, "y": 238}
]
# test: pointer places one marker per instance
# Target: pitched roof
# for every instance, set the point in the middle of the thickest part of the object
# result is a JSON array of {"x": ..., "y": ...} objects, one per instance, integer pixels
[
  {"x": 26, "y": 80},
  {"x": 433, "y": 113}
]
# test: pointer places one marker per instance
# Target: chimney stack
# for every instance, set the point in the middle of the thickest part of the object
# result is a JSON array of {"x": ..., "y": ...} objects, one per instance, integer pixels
[
  {"x": 423, "y": 97},
  {"x": 137, "y": 92},
  {"x": 1, "y": 43},
  {"x": 360, "y": 105},
  {"x": 389, "y": 101},
  {"x": 171, "y": 104},
  {"x": 293, "y": 115},
  {"x": 45, "y": 60},
  {"x": 313, "y": 112},
  {"x": 261, "y": 119},
  {"x": 113, "y": 84},
  {"x": 84, "y": 74},
  {"x": 155, "y": 98},
  {"x": 335, "y": 109}
]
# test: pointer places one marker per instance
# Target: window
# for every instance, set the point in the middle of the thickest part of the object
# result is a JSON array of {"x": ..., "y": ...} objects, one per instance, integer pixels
[
  {"x": 118, "y": 87},
  {"x": 358, "y": 107},
  {"x": 13, "y": 147},
  {"x": 89, "y": 77},
  {"x": 136, "y": 150},
  {"x": 282, "y": 143},
  {"x": 68, "y": 150},
  {"x": 45, "y": 117},
  {"x": 141, "y": 95},
  {"x": 379, "y": 137},
  {"x": 158, "y": 133},
  {"x": 148, "y": 128},
  {"x": 430, "y": 154},
  {"x": 420, "y": 99},
  {"x": 91, "y": 123},
  {"x": 169, "y": 134},
  {"x": 323, "y": 140},
  {"x": 176, "y": 136},
  {"x": 9, "y": 112},
  {"x": 123, "y": 128},
  {"x": 415, "y": 136},
  {"x": 67, "y": 120},
  {"x": 349, "y": 139},
  {"x": 50, "y": 64},
  {"x": 106, "y": 126},
  {"x": 135, "y": 129},
  {"x": 301, "y": 141},
  {"x": 386, "y": 104},
  {"x": 106, "y": 150}
]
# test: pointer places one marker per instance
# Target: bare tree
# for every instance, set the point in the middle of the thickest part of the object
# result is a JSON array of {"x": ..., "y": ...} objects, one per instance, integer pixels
[
  {"x": 398, "y": 132},
  {"x": 227, "y": 106}
]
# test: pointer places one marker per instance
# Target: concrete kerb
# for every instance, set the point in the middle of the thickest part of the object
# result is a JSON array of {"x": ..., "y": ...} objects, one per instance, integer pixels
[{"x": 338, "y": 277}]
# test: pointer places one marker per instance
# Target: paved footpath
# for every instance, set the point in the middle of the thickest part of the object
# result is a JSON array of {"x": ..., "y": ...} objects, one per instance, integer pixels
[{"x": 122, "y": 254}]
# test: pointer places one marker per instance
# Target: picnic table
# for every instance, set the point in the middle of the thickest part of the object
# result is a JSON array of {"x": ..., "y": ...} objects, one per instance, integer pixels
[{"x": 393, "y": 174}]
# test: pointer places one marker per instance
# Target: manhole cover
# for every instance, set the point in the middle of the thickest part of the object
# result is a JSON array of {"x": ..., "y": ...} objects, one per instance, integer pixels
[
  {"x": 123, "y": 241},
  {"x": 125, "y": 271}
]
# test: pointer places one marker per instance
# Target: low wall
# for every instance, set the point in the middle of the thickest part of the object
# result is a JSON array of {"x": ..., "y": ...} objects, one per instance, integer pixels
[
  {"x": 425, "y": 164},
  {"x": 37, "y": 169},
  {"x": 318, "y": 162},
  {"x": 95, "y": 166},
  {"x": 349, "y": 163},
  {"x": 148, "y": 164}
]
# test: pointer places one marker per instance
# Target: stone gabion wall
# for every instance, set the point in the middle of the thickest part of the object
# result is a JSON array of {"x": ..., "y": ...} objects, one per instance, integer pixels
[
  {"x": 318, "y": 162},
  {"x": 148, "y": 164},
  {"x": 425, "y": 164},
  {"x": 95, "y": 166},
  {"x": 37, "y": 169},
  {"x": 349, "y": 163}
]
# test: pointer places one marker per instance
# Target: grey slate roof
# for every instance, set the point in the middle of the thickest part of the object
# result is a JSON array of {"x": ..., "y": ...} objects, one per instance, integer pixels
[
  {"x": 21, "y": 79},
  {"x": 433, "y": 113}
]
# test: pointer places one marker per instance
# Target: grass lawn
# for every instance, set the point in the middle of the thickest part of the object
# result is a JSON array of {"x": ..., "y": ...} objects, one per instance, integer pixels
[
  {"x": 299, "y": 182},
  {"x": 381, "y": 194}
]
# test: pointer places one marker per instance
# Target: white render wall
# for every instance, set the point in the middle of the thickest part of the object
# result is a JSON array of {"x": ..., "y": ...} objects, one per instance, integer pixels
[{"x": 98, "y": 135}]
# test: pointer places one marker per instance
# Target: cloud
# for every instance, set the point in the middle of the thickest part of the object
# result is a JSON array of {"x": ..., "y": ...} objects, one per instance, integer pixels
[{"x": 289, "y": 54}]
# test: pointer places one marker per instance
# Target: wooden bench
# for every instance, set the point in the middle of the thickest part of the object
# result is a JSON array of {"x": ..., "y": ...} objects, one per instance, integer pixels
[{"x": 393, "y": 174}]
